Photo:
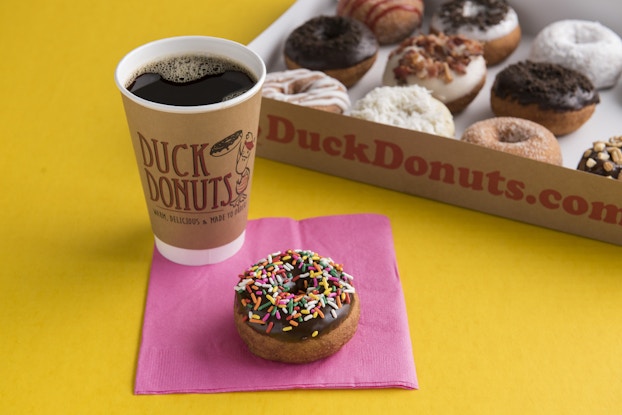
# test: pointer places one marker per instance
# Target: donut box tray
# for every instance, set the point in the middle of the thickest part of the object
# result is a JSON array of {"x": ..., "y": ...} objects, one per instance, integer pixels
[{"x": 445, "y": 169}]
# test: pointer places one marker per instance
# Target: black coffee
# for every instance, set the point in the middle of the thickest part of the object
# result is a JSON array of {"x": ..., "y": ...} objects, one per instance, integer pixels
[{"x": 191, "y": 80}]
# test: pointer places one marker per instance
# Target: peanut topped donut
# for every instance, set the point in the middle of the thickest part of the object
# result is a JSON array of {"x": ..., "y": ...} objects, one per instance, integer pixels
[
  {"x": 341, "y": 47},
  {"x": 604, "y": 158},
  {"x": 515, "y": 136},
  {"x": 492, "y": 22},
  {"x": 559, "y": 98},
  {"x": 307, "y": 88},
  {"x": 296, "y": 306},
  {"x": 390, "y": 20},
  {"x": 452, "y": 67},
  {"x": 586, "y": 47}
]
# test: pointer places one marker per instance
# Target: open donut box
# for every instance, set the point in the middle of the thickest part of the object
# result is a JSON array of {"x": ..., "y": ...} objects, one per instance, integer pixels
[{"x": 445, "y": 169}]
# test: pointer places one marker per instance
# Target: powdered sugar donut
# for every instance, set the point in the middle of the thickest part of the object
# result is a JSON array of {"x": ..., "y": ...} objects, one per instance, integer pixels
[
  {"x": 411, "y": 107},
  {"x": 308, "y": 88},
  {"x": 452, "y": 67},
  {"x": 515, "y": 136},
  {"x": 587, "y": 47}
]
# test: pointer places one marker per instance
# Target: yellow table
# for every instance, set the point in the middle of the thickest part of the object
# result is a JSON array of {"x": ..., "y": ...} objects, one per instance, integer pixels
[{"x": 504, "y": 317}]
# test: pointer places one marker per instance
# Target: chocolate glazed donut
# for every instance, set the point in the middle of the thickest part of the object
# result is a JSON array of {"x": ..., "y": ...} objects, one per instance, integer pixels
[{"x": 341, "y": 47}]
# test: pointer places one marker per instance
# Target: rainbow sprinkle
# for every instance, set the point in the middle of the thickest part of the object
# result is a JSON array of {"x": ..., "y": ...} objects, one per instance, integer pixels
[{"x": 294, "y": 291}]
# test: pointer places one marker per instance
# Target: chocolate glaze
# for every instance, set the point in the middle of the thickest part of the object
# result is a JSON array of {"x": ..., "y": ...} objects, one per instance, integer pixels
[
  {"x": 330, "y": 42},
  {"x": 453, "y": 16},
  {"x": 305, "y": 329},
  {"x": 550, "y": 86}
]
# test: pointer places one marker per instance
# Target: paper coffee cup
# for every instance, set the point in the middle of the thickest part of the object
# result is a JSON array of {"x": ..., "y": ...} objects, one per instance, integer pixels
[{"x": 195, "y": 162}]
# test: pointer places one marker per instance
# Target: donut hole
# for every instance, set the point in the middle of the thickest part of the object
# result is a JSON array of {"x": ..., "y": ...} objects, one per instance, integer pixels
[
  {"x": 512, "y": 134},
  {"x": 586, "y": 35},
  {"x": 471, "y": 10},
  {"x": 336, "y": 29}
]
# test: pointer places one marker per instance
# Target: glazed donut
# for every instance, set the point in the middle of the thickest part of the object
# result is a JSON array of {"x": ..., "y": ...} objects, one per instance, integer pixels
[
  {"x": 390, "y": 20},
  {"x": 515, "y": 136},
  {"x": 451, "y": 67},
  {"x": 295, "y": 306},
  {"x": 312, "y": 89},
  {"x": 341, "y": 47},
  {"x": 559, "y": 98},
  {"x": 492, "y": 22},
  {"x": 412, "y": 107},
  {"x": 604, "y": 158},
  {"x": 586, "y": 47}
]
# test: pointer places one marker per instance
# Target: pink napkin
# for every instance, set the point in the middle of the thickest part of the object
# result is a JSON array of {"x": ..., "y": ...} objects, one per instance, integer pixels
[{"x": 190, "y": 344}]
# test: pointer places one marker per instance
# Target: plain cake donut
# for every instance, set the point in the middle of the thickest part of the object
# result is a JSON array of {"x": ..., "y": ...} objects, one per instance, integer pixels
[
  {"x": 295, "y": 306},
  {"x": 390, "y": 20},
  {"x": 307, "y": 88},
  {"x": 515, "y": 136},
  {"x": 412, "y": 107},
  {"x": 341, "y": 47},
  {"x": 559, "y": 98},
  {"x": 452, "y": 67},
  {"x": 492, "y": 22},
  {"x": 587, "y": 47}
]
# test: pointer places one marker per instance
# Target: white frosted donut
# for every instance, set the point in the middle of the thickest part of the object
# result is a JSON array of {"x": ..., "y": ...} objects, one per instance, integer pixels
[
  {"x": 452, "y": 67},
  {"x": 307, "y": 88},
  {"x": 585, "y": 46},
  {"x": 515, "y": 136},
  {"x": 411, "y": 107}
]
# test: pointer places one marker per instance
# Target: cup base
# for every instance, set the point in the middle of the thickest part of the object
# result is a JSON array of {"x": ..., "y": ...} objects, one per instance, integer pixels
[{"x": 197, "y": 257}]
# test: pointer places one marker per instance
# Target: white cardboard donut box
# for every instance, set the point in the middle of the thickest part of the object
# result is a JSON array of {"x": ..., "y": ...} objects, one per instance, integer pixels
[{"x": 446, "y": 169}]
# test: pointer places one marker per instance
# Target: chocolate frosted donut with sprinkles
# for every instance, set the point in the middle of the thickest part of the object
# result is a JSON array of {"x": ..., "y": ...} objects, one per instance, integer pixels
[{"x": 295, "y": 306}]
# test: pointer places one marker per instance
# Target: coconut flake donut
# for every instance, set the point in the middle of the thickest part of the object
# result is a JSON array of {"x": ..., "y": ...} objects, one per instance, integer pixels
[
  {"x": 587, "y": 47},
  {"x": 452, "y": 67},
  {"x": 307, "y": 88},
  {"x": 411, "y": 107},
  {"x": 559, "y": 98},
  {"x": 295, "y": 306},
  {"x": 515, "y": 136},
  {"x": 492, "y": 22},
  {"x": 342, "y": 47},
  {"x": 390, "y": 20}
]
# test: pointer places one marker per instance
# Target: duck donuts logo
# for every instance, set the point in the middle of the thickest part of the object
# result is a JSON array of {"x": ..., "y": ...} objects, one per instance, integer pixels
[{"x": 197, "y": 178}]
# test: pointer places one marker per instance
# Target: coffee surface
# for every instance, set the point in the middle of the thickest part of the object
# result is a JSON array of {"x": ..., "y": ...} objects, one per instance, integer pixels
[{"x": 191, "y": 80}]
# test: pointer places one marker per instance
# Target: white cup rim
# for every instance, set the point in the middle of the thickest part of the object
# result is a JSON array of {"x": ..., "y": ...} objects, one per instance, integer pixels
[{"x": 213, "y": 46}]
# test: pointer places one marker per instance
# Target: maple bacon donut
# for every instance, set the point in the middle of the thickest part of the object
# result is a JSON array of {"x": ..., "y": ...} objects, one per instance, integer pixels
[
  {"x": 492, "y": 22},
  {"x": 295, "y": 306},
  {"x": 451, "y": 66},
  {"x": 515, "y": 136},
  {"x": 390, "y": 20},
  {"x": 341, "y": 47},
  {"x": 307, "y": 88}
]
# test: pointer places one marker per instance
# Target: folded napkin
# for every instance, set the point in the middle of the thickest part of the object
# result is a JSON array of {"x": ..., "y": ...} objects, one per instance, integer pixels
[{"x": 190, "y": 344}]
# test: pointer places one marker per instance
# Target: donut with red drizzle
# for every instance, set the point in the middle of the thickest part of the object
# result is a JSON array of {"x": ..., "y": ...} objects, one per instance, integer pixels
[
  {"x": 295, "y": 306},
  {"x": 390, "y": 20}
]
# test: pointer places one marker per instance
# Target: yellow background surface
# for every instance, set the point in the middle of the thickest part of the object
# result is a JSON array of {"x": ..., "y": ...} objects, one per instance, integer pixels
[{"x": 505, "y": 318}]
